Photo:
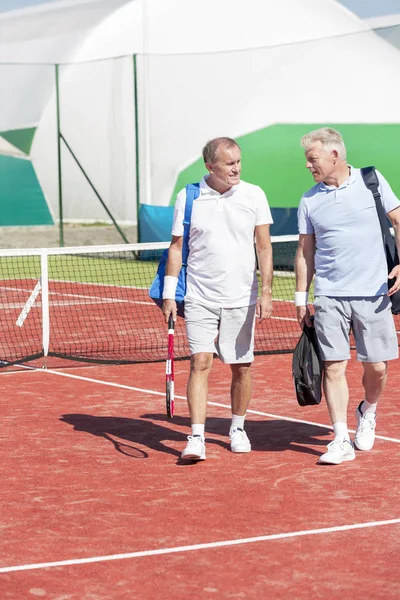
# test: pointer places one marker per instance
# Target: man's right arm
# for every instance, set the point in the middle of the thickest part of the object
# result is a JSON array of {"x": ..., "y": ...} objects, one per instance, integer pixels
[
  {"x": 173, "y": 267},
  {"x": 304, "y": 268}
]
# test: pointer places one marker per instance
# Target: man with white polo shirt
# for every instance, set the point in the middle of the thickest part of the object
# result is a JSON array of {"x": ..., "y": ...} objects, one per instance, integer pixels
[
  {"x": 221, "y": 300},
  {"x": 341, "y": 241}
]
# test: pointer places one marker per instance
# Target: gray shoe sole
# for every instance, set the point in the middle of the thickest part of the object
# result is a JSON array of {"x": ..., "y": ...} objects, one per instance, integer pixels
[
  {"x": 243, "y": 451},
  {"x": 363, "y": 449},
  {"x": 333, "y": 462},
  {"x": 192, "y": 457}
]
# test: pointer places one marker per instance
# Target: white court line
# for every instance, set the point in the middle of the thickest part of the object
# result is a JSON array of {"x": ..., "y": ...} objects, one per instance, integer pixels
[
  {"x": 173, "y": 550},
  {"x": 154, "y": 393},
  {"x": 92, "y": 299},
  {"x": 78, "y": 302},
  {"x": 101, "y": 299}
]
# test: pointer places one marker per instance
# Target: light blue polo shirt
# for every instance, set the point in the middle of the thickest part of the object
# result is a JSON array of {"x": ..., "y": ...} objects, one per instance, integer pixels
[{"x": 349, "y": 257}]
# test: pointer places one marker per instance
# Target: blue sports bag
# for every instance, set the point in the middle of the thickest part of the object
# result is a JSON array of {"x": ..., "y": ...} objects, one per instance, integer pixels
[{"x": 157, "y": 287}]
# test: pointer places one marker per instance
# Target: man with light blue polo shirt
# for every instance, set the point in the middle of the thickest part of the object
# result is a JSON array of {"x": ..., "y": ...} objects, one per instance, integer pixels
[
  {"x": 228, "y": 217},
  {"x": 341, "y": 242}
]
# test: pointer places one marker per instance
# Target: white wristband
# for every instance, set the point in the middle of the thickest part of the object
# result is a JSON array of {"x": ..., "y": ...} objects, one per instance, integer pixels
[
  {"x": 301, "y": 298},
  {"x": 170, "y": 283}
]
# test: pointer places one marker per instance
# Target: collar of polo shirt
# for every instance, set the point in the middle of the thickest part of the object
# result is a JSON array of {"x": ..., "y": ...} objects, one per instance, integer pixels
[
  {"x": 206, "y": 189},
  {"x": 349, "y": 181}
]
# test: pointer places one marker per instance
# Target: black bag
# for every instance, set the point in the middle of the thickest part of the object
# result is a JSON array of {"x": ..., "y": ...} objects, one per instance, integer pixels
[
  {"x": 307, "y": 368},
  {"x": 371, "y": 181}
]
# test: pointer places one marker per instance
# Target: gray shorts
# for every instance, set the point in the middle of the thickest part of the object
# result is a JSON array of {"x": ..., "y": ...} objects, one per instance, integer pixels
[
  {"x": 228, "y": 332},
  {"x": 370, "y": 320}
]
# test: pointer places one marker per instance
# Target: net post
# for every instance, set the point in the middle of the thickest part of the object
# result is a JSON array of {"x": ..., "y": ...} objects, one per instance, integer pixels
[{"x": 45, "y": 303}]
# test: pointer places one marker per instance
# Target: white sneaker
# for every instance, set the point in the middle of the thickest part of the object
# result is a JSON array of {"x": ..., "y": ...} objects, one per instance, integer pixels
[
  {"x": 365, "y": 433},
  {"x": 337, "y": 452},
  {"x": 195, "y": 448},
  {"x": 239, "y": 440}
]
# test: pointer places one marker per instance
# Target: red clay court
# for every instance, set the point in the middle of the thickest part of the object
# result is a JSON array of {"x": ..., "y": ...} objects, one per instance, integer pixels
[{"x": 96, "y": 504}]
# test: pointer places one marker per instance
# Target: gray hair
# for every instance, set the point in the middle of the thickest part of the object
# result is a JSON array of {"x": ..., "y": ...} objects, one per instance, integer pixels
[
  {"x": 329, "y": 138},
  {"x": 210, "y": 149}
]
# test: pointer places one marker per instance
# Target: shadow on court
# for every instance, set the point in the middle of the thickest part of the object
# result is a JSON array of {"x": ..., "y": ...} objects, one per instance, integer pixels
[
  {"x": 265, "y": 436},
  {"x": 131, "y": 431}
]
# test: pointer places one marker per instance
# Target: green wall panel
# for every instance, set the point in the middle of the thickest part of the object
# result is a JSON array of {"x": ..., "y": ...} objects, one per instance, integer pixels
[
  {"x": 274, "y": 160},
  {"x": 21, "y": 198},
  {"x": 20, "y": 138}
]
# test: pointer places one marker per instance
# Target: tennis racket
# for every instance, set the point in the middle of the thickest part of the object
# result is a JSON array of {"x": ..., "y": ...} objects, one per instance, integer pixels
[{"x": 169, "y": 371}]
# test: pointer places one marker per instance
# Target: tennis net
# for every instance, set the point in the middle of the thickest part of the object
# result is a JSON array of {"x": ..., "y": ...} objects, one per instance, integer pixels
[{"x": 91, "y": 304}]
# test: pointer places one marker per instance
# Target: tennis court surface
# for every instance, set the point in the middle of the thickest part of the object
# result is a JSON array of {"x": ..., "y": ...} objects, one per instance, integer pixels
[
  {"x": 97, "y": 505},
  {"x": 95, "y": 502}
]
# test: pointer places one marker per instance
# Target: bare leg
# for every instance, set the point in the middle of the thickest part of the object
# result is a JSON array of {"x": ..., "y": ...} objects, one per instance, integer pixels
[
  {"x": 337, "y": 399},
  {"x": 374, "y": 380},
  {"x": 336, "y": 390},
  {"x": 240, "y": 388},
  {"x": 197, "y": 387}
]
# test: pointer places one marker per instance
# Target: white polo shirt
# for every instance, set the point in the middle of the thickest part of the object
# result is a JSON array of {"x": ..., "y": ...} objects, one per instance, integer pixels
[
  {"x": 221, "y": 266},
  {"x": 349, "y": 257}
]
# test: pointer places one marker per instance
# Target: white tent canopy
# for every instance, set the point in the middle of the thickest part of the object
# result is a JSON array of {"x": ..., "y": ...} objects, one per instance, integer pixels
[
  {"x": 41, "y": 36},
  {"x": 204, "y": 68},
  {"x": 68, "y": 31}
]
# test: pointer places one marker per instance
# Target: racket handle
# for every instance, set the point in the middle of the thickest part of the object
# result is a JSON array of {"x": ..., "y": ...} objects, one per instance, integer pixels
[{"x": 171, "y": 324}]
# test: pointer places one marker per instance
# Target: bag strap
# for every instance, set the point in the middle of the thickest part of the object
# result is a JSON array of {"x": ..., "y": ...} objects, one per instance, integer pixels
[
  {"x": 372, "y": 182},
  {"x": 315, "y": 361},
  {"x": 192, "y": 192},
  {"x": 309, "y": 332}
]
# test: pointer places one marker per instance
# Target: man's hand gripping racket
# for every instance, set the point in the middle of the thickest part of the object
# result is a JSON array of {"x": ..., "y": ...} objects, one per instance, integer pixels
[{"x": 170, "y": 369}]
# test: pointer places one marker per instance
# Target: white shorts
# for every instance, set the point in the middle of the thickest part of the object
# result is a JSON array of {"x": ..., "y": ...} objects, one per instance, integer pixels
[
  {"x": 371, "y": 321},
  {"x": 228, "y": 332}
]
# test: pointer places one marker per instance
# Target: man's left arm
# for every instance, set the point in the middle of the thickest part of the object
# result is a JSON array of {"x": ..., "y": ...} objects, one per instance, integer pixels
[
  {"x": 265, "y": 265},
  {"x": 394, "y": 217}
]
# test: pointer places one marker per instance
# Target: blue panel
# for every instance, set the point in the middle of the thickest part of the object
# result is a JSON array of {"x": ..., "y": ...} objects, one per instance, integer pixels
[
  {"x": 285, "y": 221},
  {"x": 155, "y": 223}
]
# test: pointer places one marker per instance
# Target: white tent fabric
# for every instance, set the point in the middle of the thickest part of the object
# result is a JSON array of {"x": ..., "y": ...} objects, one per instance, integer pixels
[
  {"x": 367, "y": 9},
  {"x": 40, "y": 36},
  {"x": 205, "y": 68},
  {"x": 50, "y": 32},
  {"x": 384, "y": 21},
  {"x": 387, "y": 27},
  {"x": 66, "y": 31}
]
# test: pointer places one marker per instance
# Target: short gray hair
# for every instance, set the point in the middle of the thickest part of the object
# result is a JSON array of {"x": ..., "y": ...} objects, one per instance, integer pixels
[
  {"x": 329, "y": 138},
  {"x": 210, "y": 149}
]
